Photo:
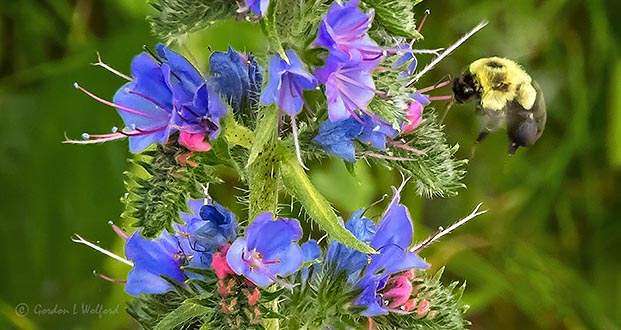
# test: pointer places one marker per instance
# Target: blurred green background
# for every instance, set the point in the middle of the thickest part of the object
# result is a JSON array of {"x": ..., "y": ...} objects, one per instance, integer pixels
[{"x": 545, "y": 256}]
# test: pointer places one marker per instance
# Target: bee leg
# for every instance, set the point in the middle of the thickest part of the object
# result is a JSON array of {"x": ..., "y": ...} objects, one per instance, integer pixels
[
  {"x": 513, "y": 147},
  {"x": 482, "y": 136}
]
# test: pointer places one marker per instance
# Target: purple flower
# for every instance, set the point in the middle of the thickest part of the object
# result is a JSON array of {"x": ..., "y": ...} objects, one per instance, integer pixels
[
  {"x": 344, "y": 28},
  {"x": 269, "y": 249},
  {"x": 286, "y": 82},
  {"x": 391, "y": 239},
  {"x": 336, "y": 138},
  {"x": 349, "y": 85},
  {"x": 165, "y": 95},
  {"x": 259, "y": 7}
]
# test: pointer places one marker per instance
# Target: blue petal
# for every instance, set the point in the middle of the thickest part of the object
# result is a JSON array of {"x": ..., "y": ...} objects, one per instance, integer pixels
[
  {"x": 375, "y": 131},
  {"x": 152, "y": 258},
  {"x": 369, "y": 298},
  {"x": 183, "y": 74},
  {"x": 231, "y": 77},
  {"x": 395, "y": 228},
  {"x": 311, "y": 250}
]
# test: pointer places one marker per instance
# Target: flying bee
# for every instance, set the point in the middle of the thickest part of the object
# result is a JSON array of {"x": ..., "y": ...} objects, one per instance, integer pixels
[{"x": 507, "y": 96}]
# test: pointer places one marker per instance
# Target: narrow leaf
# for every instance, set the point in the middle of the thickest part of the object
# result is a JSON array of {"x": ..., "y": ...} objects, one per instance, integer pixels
[
  {"x": 300, "y": 187},
  {"x": 181, "y": 315}
]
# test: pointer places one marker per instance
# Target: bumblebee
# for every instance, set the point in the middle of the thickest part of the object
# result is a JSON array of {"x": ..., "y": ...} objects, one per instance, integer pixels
[{"x": 507, "y": 96}]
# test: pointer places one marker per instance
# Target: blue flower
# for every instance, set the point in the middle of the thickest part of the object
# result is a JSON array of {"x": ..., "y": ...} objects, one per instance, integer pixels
[
  {"x": 286, "y": 82},
  {"x": 391, "y": 239},
  {"x": 348, "y": 81},
  {"x": 145, "y": 104},
  {"x": 347, "y": 259},
  {"x": 197, "y": 109},
  {"x": 344, "y": 28},
  {"x": 269, "y": 249},
  {"x": 311, "y": 252},
  {"x": 375, "y": 131},
  {"x": 152, "y": 259},
  {"x": 336, "y": 138},
  {"x": 165, "y": 95},
  {"x": 230, "y": 76},
  {"x": 207, "y": 228}
]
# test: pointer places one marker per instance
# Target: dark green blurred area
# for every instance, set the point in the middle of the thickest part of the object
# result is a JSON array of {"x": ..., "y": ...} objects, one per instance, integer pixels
[{"x": 545, "y": 256}]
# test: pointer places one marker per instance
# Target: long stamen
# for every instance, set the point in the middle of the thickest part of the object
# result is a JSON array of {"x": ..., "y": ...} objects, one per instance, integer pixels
[
  {"x": 432, "y": 87},
  {"x": 109, "y": 68},
  {"x": 446, "y": 53},
  {"x": 422, "y": 22},
  {"x": 109, "y": 279},
  {"x": 407, "y": 147},
  {"x": 78, "y": 239},
  {"x": 379, "y": 156},
  {"x": 440, "y": 98},
  {"x": 102, "y": 138},
  {"x": 114, "y": 105},
  {"x": 148, "y": 98},
  {"x": 118, "y": 231}
]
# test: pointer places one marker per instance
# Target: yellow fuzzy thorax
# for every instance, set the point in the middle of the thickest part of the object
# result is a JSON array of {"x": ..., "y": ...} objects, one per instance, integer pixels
[{"x": 500, "y": 80}]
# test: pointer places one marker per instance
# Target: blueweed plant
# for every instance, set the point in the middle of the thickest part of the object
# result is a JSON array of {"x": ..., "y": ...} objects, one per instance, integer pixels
[{"x": 338, "y": 80}]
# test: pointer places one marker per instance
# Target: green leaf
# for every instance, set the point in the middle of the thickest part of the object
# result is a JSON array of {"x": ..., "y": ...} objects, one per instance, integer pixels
[
  {"x": 236, "y": 134},
  {"x": 181, "y": 315},
  {"x": 270, "y": 28},
  {"x": 265, "y": 132},
  {"x": 300, "y": 187}
]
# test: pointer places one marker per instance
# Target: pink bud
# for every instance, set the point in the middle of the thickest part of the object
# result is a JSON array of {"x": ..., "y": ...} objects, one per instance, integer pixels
[{"x": 413, "y": 117}]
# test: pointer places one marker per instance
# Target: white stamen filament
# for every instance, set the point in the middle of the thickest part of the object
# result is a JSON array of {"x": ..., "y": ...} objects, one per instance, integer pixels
[
  {"x": 109, "y": 68},
  {"x": 446, "y": 53},
  {"x": 442, "y": 232},
  {"x": 78, "y": 239}
]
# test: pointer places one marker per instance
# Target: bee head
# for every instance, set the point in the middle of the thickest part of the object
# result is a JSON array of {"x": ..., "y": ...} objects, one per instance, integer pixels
[{"x": 463, "y": 87}]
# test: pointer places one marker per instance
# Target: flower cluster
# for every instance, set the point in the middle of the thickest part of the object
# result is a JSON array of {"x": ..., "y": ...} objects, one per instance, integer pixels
[
  {"x": 269, "y": 253},
  {"x": 167, "y": 94},
  {"x": 241, "y": 274}
]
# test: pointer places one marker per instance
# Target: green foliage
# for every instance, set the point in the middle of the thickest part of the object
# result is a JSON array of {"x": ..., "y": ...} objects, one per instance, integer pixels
[
  {"x": 159, "y": 186},
  {"x": 445, "y": 312},
  {"x": 395, "y": 16},
  {"x": 176, "y": 17},
  {"x": 436, "y": 172},
  {"x": 178, "y": 309},
  {"x": 299, "y": 186},
  {"x": 321, "y": 302}
]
